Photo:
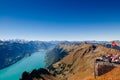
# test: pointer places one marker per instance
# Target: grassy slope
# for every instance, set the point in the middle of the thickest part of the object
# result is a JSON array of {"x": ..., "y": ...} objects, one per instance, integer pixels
[{"x": 81, "y": 61}]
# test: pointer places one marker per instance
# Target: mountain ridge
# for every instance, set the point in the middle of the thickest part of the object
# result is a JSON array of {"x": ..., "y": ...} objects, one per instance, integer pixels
[{"x": 70, "y": 67}]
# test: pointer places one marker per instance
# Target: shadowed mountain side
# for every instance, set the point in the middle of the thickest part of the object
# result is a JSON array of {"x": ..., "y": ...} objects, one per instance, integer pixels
[
  {"x": 58, "y": 53},
  {"x": 40, "y": 74}
]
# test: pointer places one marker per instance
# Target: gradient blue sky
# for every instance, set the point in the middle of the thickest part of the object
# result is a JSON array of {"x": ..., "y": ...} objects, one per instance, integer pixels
[{"x": 60, "y": 19}]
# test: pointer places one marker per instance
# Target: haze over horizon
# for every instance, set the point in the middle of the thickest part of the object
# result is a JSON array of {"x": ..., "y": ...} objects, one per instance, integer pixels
[{"x": 73, "y": 20}]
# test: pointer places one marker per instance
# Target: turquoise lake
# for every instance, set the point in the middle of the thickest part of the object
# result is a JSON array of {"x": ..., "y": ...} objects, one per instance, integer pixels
[{"x": 14, "y": 72}]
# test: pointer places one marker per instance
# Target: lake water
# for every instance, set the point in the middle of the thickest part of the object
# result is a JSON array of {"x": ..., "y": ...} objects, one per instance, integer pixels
[{"x": 14, "y": 72}]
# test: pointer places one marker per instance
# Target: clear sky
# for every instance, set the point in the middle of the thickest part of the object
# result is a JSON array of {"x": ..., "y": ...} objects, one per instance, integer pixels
[{"x": 60, "y": 19}]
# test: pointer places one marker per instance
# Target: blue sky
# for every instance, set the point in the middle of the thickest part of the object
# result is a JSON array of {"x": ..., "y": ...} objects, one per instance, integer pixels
[{"x": 60, "y": 19}]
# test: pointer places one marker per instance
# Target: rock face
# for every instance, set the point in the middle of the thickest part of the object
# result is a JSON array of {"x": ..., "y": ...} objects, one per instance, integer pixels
[
  {"x": 78, "y": 64},
  {"x": 111, "y": 75},
  {"x": 103, "y": 67},
  {"x": 40, "y": 74}
]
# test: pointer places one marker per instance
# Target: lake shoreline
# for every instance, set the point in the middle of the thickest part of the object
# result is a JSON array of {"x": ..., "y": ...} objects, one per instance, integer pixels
[{"x": 34, "y": 61}]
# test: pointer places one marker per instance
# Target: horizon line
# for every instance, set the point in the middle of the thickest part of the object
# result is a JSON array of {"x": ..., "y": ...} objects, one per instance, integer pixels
[{"x": 55, "y": 40}]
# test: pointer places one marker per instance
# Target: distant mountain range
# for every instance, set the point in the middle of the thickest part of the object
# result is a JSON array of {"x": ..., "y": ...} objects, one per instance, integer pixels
[{"x": 14, "y": 50}]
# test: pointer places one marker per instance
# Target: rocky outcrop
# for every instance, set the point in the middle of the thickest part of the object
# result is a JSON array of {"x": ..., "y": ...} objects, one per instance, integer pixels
[
  {"x": 114, "y": 74},
  {"x": 40, "y": 74}
]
